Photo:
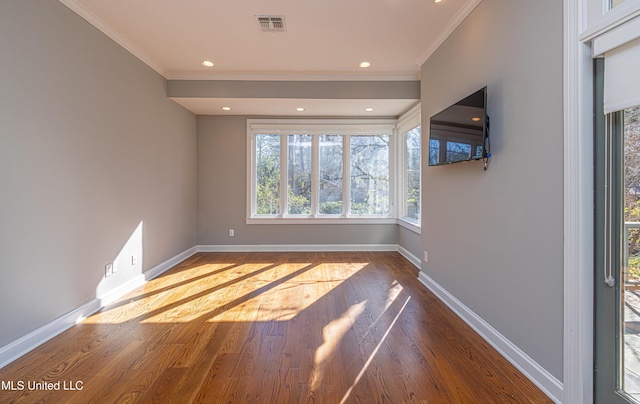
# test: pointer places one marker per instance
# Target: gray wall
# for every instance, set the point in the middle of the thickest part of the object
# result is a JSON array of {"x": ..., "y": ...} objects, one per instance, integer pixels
[
  {"x": 410, "y": 241},
  {"x": 90, "y": 147},
  {"x": 495, "y": 238},
  {"x": 222, "y": 173}
]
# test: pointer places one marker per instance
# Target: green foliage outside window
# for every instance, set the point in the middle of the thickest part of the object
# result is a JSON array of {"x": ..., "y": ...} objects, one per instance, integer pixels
[
  {"x": 369, "y": 160},
  {"x": 268, "y": 174},
  {"x": 632, "y": 187}
]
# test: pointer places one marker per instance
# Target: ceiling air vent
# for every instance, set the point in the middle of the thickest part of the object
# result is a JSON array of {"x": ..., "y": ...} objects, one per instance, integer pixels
[{"x": 271, "y": 23}]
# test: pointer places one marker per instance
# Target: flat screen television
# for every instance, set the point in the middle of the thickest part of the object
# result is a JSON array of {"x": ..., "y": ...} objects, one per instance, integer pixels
[{"x": 460, "y": 132}]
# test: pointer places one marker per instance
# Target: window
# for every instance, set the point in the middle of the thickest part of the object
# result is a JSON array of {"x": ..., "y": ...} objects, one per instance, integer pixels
[
  {"x": 268, "y": 174},
  {"x": 320, "y": 171},
  {"x": 412, "y": 174},
  {"x": 331, "y": 172},
  {"x": 410, "y": 169},
  {"x": 299, "y": 174},
  {"x": 369, "y": 157}
]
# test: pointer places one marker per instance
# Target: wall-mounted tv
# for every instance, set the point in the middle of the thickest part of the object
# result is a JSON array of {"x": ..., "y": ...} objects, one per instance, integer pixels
[{"x": 461, "y": 131}]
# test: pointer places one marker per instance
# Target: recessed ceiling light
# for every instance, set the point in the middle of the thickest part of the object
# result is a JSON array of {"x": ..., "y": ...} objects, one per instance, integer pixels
[
  {"x": 475, "y": 119},
  {"x": 207, "y": 63},
  {"x": 437, "y": 1},
  {"x": 364, "y": 64},
  {"x": 299, "y": 109},
  {"x": 226, "y": 108},
  {"x": 369, "y": 109}
]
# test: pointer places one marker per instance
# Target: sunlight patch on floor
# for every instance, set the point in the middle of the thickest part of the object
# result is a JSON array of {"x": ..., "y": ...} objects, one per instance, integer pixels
[
  {"x": 373, "y": 354},
  {"x": 286, "y": 285},
  {"x": 228, "y": 292},
  {"x": 190, "y": 274},
  {"x": 392, "y": 295},
  {"x": 176, "y": 297},
  {"x": 332, "y": 334}
]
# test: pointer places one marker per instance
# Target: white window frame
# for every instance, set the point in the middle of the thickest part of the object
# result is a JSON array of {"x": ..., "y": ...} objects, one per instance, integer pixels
[
  {"x": 407, "y": 122},
  {"x": 346, "y": 127},
  {"x": 602, "y": 18}
]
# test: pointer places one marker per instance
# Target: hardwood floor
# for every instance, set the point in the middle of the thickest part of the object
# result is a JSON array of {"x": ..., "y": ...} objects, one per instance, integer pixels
[{"x": 273, "y": 328}]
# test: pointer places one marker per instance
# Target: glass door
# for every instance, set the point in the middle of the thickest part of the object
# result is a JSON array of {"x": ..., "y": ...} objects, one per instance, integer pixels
[
  {"x": 617, "y": 255},
  {"x": 629, "y": 293}
]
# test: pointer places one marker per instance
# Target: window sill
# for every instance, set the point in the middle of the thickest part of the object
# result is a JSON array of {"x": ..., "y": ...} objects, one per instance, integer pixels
[
  {"x": 321, "y": 220},
  {"x": 410, "y": 225}
]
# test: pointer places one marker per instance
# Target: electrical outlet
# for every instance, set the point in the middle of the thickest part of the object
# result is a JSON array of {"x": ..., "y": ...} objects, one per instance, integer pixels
[
  {"x": 134, "y": 259},
  {"x": 232, "y": 233},
  {"x": 426, "y": 256},
  {"x": 115, "y": 267},
  {"x": 108, "y": 270}
]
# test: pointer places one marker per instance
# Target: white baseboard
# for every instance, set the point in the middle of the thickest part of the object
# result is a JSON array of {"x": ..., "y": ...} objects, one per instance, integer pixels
[
  {"x": 21, "y": 346},
  {"x": 168, "y": 264},
  {"x": 410, "y": 257},
  {"x": 550, "y": 385},
  {"x": 297, "y": 247}
]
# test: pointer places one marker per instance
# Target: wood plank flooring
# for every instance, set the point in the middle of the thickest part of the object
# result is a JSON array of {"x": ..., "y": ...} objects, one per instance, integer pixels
[{"x": 273, "y": 328}]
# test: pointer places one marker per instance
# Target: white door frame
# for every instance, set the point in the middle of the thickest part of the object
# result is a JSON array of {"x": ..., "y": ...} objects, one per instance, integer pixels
[{"x": 578, "y": 208}]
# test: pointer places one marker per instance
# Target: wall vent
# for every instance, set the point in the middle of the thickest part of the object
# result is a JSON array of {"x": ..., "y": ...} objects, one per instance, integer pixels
[{"x": 271, "y": 23}]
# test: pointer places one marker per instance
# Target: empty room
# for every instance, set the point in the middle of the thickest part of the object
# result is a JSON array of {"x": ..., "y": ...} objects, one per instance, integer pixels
[{"x": 340, "y": 201}]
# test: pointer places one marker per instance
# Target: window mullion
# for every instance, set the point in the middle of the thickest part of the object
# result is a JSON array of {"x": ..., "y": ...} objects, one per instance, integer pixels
[
  {"x": 252, "y": 176},
  {"x": 315, "y": 175},
  {"x": 346, "y": 175},
  {"x": 393, "y": 189},
  {"x": 284, "y": 172},
  {"x": 401, "y": 176}
]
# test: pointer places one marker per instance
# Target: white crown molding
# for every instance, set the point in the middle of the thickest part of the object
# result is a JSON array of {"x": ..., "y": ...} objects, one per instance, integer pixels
[
  {"x": 294, "y": 76},
  {"x": 27, "y": 343},
  {"x": 111, "y": 33},
  {"x": 460, "y": 16},
  {"x": 551, "y": 386}
]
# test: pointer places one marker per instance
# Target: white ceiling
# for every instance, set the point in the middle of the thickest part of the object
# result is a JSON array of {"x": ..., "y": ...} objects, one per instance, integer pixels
[{"x": 324, "y": 40}]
